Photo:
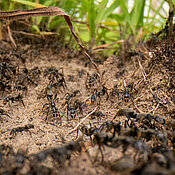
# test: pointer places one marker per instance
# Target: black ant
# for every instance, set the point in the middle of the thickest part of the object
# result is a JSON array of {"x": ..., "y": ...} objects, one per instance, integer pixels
[
  {"x": 127, "y": 92},
  {"x": 107, "y": 126},
  {"x": 91, "y": 80},
  {"x": 5, "y": 69},
  {"x": 20, "y": 87},
  {"x": 98, "y": 115},
  {"x": 98, "y": 94},
  {"x": 129, "y": 113},
  {"x": 4, "y": 86},
  {"x": 50, "y": 107},
  {"x": 54, "y": 74},
  {"x": 59, "y": 154},
  {"x": 13, "y": 99},
  {"x": 35, "y": 72},
  {"x": 88, "y": 131},
  {"x": 114, "y": 91},
  {"x": 25, "y": 128},
  {"x": 27, "y": 77},
  {"x": 2, "y": 112},
  {"x": 72, "y": 107},
  {"x": 71, "y": 95}
]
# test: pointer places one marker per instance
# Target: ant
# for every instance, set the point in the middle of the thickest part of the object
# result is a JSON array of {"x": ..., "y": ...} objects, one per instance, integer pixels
[
  {"x": 108, "y": 126},
  {"x": 54, "y": 74},
  {"x": 60, "y": 154},
  {"x": 35, "y": 72},
  {"x": 71, "y": 95},
  {"x": 101, "y": 139},
  {"x": 127, "y": 91},
  {"x": 145, "y": 120},
  {"x": 51, "y": 107},
  {"x": 114, "y": 91},
  {"x": 46, "y": 92},
  {"x": 25, "y": 128},
  {"x": 88, "y": 131},
  {"x": 72, "y": 107},
  {"x": 21, "y": 87},
  {"x": 4, "y": 86},
  {"x": 99, "y": 94},
  {"x": 150, "y": 121},
  {"x": 4, "y": 69},
  {"x": 27, "y": 76},
  {"x": 13, "y": 99},
  {"x": 90, "y": 81},
  {"x": 97, "y": 114},
  {"x": 129, "y": 113},
  {"x": 2, "y": 112}
]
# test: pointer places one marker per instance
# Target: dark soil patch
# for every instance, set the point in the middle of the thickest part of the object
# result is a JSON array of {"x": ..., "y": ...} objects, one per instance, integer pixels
[{"x": 52, "y": 87}]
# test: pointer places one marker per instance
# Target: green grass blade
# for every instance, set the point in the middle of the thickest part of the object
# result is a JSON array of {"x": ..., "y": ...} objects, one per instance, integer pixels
[
  {"x": 91, "y": 18},
  {"x": 157, "y": 12},
  {"x": 28, "y": 3},
  {"x": 100, "y": 10},
  {"x": 174, "y": 2},
  {"x": 149, "y": 10},
  {"x": 126, "y": 14},
  {"x": 140, "y": 15},
  {"x": 137, "y": 14},
  {"x": 111, "y": 8},
  {"x": 5, "y": 5}
]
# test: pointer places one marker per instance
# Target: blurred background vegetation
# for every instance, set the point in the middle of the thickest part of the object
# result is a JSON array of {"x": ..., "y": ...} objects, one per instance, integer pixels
[{"x": 102, "y": 25}]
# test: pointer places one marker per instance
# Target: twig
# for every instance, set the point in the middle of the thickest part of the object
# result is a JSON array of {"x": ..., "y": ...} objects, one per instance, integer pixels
[
  {"x": 10, "y": 36},
  {"x": 155, "y": 108},
  {"x": 72, "y": 130}
]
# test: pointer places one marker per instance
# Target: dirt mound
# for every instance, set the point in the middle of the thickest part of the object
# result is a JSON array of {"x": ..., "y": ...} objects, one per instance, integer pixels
[{"x": 47, "y": 89}]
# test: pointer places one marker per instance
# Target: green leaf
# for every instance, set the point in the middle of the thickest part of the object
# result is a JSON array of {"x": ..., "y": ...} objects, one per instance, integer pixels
[{"x": 35, "y": 29}]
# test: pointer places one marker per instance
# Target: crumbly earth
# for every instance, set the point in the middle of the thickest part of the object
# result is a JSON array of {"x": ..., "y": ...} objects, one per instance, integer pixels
[{"x": 144, "y": 83}]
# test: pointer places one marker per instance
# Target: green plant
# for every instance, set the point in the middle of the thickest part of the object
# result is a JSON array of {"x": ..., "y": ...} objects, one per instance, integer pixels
[{"x": 96, "y": 21}]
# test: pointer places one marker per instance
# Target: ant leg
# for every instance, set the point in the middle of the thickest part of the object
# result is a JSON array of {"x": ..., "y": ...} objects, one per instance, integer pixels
[
  {"x": 102, "y": 156},
  {"x": 22, "y": 103},
  {"x": 91, "y": 140},
  {"x": 95, "y": 159}
]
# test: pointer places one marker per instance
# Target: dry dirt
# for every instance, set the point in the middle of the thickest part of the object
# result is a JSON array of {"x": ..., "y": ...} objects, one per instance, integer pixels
[{"x": 144, "y": 80}]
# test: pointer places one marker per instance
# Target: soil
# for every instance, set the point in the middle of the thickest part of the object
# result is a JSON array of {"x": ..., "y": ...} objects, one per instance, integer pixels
[{"x": 141, "y": 80}]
